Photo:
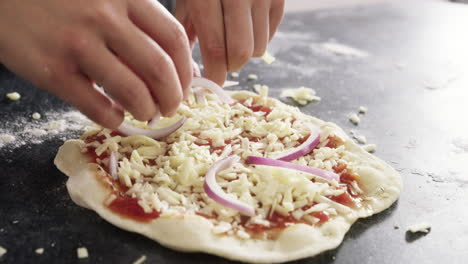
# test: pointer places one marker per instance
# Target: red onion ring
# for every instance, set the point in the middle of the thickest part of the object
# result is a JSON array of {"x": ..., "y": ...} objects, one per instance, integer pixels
[
  {"x": 113, "y": 166},
  {"x": 304, "y": 149},
  {"x": 130, "y": 130},
  {"x": 154, "y": 121},
  {"x": 196, "y": 69},
  {"x": 213, "y": 87},
  {"x": 327, "y": 175},
  {"x": 214, "y": 191},
  {"x": 230, "y": 83},
  {"x": 199, "y": 95}
]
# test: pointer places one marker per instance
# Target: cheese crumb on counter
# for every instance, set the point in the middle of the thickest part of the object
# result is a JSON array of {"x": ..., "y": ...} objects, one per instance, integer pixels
[
  {"x": 362, "y": 109},
  {"x": 82, "y": 252},
  {"x": 39, "y": 251},
  {"x": 361, "y": 139},
  {"x": 369, "y": 147},
  {"x": 14, "y": 96},
  {"x": 36, "y": 116},
  {"x": 140, "y": 260},
  {"x": 252, "y": 77},
  {"x": 234, "y": 74},
  {"x": 354, "y": 119},
  {"x": 301, "y": 95},
  {"x": 423, "y": 227},
  {"x": 268, "y": 58},
  {"x": 3, "y": 251}
]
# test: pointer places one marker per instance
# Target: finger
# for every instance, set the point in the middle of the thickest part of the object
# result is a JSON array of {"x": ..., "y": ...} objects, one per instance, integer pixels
[
  {"x": 182, "y": 14},
  {"x": 276, "y": 15},
  {"x": 152, "y": 64},
  {"x": 208, "y": 23},
  {"x": 118, "y": 80},
  {"x": 261, "y": 28},
  {"x": 91, "y": 102},
  {"x": 153, "y": 19},
  {"x": 239, "y": 33}
]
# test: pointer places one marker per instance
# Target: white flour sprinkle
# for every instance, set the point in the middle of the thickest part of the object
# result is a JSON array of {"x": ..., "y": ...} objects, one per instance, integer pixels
[
  {"x": 6, "y": 138},
  {"x": 24, "y": 130}
]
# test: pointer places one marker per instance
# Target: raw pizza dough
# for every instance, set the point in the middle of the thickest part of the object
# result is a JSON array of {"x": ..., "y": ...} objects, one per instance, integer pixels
[{"x": 379, "y": 183}]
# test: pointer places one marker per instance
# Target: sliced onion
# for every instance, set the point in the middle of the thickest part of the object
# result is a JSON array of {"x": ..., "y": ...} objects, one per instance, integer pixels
[
  {"x": 199, "y": 95},
  {"x": 130, "y": 130},
  {"x": 327, "y": 175},
  {"x": 214, "y": 191},
  {"x": 213, "y": 87},
  {"x": 113, "y": 166},
  {"x": 196, "y": 69},
  {"x": 304, "y": 149},
  {"x": 230, "y": 83},
  {"x": 154, "y": 121}
]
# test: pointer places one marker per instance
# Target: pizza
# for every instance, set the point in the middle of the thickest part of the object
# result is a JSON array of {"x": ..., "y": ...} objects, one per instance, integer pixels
[{"x": 239, "y": 175}]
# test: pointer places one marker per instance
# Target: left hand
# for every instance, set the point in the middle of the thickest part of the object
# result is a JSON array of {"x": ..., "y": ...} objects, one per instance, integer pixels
[{"x": 230, "y": 31}]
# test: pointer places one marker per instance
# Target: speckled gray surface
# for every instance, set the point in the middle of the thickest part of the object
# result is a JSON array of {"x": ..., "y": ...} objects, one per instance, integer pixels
[{"x": 419, "y": 130}]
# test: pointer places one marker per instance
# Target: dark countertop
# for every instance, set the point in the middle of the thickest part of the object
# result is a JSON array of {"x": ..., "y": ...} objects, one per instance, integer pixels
[{"x": 414, "y": 82}]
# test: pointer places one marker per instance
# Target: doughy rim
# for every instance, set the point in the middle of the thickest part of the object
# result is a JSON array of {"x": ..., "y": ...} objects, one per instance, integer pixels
[{"x": 193, "y": 233}]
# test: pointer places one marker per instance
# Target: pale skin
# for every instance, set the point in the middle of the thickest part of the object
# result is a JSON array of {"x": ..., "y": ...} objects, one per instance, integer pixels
[{"x": 138, "y": 51}]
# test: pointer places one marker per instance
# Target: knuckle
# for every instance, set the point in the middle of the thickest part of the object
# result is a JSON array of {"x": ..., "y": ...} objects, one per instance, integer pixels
[
  {"x": 103, "y": 14},
  {"x": 77, "y": 43},
  {"x": 163, "y": 66},
  {"x": 216, "y": 49},
  {"x": 179, "y": 34},
  {"x": 239, "y": 56}
]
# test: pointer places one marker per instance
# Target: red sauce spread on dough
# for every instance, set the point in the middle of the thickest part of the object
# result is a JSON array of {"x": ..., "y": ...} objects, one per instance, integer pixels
[
  {"x": 128, "y": 207},
  {"x": 258, "y": 108},
  {"x": 334, "y": 142},
  {"x": 123, "y": 205}
]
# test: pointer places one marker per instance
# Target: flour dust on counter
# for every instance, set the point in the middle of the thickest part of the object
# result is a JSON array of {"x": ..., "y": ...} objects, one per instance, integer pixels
[{"x": 38, "y": 127}]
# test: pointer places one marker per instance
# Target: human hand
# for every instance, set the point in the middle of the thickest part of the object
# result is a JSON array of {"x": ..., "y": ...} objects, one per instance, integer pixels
[
  {"x": 136, "y": 50},
  {"x": 230, "y": 31}
]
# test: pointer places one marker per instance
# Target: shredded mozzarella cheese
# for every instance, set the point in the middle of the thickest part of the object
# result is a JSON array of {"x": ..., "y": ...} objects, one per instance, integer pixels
[{"x": 168, "y": 175}]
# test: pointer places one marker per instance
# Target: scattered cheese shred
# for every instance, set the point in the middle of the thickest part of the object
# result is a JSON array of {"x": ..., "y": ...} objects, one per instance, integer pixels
[
  {"x": 268, "y": 58},
  {"x": 14, "y": 96},
  {"x": 301, "y": 95},
  {"x": 39, "y": 251},
  {"x": 361, "y": 139},
  {"x": 423, "y": 227},
  {"x": 234, "y": 74},
  {"x": 362, "y": 109},
  {"x": 82, "y": 253},
  {"x": 3, "y": 251},
  {"x": 252, "y": 77},
  {"x": 369, "y": 147},
  {"x": 36, "y": 116},
  {"x": 354, "y": 118},
  {"x": 140, "y": 260}
]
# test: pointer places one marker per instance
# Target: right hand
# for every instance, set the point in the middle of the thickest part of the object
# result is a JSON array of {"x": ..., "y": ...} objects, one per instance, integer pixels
[{"x": 136, "y": 50}]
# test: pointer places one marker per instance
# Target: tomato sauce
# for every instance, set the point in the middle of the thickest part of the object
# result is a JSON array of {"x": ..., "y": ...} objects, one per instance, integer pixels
[
  {"x": 260, "y": 108},
  {"x": 128, "y": 207},
  {"x": 344, "y": 199},
  {"x": 279, "y": 222},
  {"x": 322, "y": 216},
  {"x": 334, "y": 142}
]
